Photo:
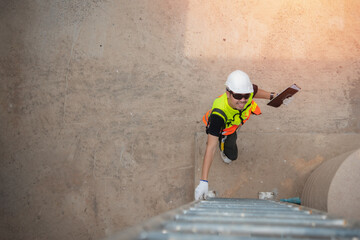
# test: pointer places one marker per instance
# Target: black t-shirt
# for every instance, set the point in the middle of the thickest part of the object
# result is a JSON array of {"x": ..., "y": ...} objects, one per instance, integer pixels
[{"x": 217, "y": 124}]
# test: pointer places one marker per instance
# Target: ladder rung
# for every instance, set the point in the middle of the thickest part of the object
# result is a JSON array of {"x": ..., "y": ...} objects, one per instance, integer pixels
[
  {"x": 260, "y": 230},
  {"x": 256, "y": 220}
]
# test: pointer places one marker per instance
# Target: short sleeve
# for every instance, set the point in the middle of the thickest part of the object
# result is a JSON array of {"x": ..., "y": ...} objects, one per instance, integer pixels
[
  {"x": 216, "y": 125},
  {"x": 255, "y": 89}
]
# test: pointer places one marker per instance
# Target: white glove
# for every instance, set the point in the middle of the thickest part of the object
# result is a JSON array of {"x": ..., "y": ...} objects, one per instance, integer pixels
[{"x": 201, "y": 190}]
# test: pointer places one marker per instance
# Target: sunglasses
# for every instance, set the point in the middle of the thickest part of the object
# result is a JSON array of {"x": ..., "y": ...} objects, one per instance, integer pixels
[{"x": 240, "y": 96}]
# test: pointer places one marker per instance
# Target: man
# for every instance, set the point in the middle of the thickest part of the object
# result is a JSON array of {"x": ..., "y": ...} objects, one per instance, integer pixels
[{"x": 229, "y": 112}]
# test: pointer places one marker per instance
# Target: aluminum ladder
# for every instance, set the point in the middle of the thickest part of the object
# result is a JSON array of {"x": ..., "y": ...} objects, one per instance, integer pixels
[{"x": 221, "y": 218}]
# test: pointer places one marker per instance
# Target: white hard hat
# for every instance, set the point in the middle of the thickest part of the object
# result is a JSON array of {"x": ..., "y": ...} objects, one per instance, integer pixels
[{"x": 239, "y": 82}]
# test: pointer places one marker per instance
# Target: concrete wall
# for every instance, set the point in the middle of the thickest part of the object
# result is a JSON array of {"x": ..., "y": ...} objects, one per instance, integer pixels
[
  {"x": 333, "y": 186},
  {"x": 100, "y": 100}
]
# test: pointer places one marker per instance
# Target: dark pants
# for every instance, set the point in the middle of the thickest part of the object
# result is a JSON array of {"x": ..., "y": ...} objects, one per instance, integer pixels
[{"x": 230, "y": 147}]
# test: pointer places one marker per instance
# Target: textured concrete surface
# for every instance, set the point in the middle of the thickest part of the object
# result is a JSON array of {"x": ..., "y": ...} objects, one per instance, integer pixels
[
  {"x": 100, "y": 102},
  {"x": 344, "y": 195},
  {"x": 333, "y": 186},
  {"x": 316, "y": 189}
]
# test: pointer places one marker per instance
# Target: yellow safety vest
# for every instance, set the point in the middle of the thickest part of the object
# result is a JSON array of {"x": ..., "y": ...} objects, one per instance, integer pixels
[{"x": 233, "y": 118}]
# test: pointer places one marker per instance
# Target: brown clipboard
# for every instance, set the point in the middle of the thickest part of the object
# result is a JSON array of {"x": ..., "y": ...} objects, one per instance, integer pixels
[{"x": 288, "y": 92}]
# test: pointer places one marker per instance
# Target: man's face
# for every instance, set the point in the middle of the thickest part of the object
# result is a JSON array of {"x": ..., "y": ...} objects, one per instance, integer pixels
[{"x": 237, "y": 103}]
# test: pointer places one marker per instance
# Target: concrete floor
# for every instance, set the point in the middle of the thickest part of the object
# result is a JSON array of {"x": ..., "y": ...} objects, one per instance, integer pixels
[{"x": 100, "y": 103}]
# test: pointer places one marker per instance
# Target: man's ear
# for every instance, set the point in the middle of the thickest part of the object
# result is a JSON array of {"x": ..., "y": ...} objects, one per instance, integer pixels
[{"x": 228, "y": 94}]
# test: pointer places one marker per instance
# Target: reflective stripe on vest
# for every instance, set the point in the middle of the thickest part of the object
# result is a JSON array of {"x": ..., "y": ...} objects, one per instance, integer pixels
[{"x": 231, "y": 116}]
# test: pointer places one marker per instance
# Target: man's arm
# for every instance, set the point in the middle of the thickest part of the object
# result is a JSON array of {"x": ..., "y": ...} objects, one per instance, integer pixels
[
  {"x": 203, "y": 187},
  {"x": 211, "y": 144},
  {"x": 264, "y": 94}
]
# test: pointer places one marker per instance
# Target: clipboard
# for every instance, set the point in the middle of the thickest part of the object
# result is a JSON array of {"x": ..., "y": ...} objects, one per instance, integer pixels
[{"x": 288, "y": 92}]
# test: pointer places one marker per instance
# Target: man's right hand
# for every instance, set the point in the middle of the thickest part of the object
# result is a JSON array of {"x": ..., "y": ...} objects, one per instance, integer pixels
[{"x": 201, "y": 190}]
